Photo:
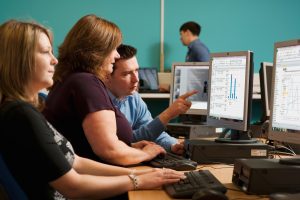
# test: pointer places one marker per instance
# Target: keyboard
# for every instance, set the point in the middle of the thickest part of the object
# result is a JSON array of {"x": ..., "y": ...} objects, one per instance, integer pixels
[
  {"x": 173, "y": 161},
  {"x": 195, "y": 181}
]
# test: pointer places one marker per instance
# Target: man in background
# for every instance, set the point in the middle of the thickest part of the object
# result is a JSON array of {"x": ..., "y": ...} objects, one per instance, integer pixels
[
  {"x": 123, "y": 85},
  {"x": 189, "y": 36}
]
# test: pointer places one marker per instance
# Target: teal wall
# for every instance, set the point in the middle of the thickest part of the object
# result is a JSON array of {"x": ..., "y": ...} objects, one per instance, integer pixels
[
  {"x": 138, "y": 20},
  {"x": 228, "y": 25},
  {"x": 233, "y": 25}
]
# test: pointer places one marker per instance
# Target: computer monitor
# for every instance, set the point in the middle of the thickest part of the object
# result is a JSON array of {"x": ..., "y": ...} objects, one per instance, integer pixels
[
  {"x": 229, "y": 100},
  {"x": 265, "y": 75},
  {"x": 189, "y": 76},
  {"x": 285, "y": 100},
  {"x": 148, "y": 79}
]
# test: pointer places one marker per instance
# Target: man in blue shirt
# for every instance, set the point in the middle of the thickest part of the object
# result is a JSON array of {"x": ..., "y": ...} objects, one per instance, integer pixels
[
  {"x": 189, "y": 36},
  {"x": 123, "y": 84}
]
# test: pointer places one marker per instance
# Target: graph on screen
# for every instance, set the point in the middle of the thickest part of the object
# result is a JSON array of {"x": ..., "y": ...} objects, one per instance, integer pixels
[
  {"x": 232, "y": 88},
  {"x": 227, "y": 87}
]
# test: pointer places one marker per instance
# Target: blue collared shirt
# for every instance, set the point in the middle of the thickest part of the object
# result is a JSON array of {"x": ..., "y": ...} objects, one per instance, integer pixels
[
  {"x": 197, "y": 52},
  {"x": 143, "y": 125}
]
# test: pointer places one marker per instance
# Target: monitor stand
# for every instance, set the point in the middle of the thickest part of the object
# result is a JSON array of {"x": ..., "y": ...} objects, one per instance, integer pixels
[{"x": 235, "y": 137}]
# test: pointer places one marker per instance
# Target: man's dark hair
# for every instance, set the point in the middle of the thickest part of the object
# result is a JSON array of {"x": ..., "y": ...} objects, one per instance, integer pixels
[
  {"x": 194, "y": 27},
  {"x": 125, "y": 52}
]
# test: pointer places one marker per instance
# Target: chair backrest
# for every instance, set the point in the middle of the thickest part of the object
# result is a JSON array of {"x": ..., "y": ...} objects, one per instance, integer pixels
[{"x": 9, "y": 184}]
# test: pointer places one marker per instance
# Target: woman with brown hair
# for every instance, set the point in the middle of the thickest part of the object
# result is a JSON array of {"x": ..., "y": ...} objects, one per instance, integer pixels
[
  {"x": 40, "y": 159},
  {"x": 79, "y": 106}
]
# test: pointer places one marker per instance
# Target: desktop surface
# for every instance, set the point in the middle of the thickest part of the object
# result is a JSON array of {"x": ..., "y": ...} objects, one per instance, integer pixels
[{"x": 155, "y": 95}]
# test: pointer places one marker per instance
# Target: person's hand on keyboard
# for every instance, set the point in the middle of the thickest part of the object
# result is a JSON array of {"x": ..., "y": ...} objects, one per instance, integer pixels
[
  {"x": 152, "y": 150},
  {"x": 141, "y": 144},
  {"x": 158, "y": 177},
  {"x": 178, "y": 148}
]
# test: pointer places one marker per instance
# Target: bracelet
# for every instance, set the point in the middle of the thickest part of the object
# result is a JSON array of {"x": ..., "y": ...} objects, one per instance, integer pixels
[{"x": 134, "y": 180}]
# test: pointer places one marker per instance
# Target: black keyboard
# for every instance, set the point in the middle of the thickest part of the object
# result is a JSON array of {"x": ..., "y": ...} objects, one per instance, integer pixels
[
  {"x": 195, "y": 181},
  {"x": 173, "y": 161}
]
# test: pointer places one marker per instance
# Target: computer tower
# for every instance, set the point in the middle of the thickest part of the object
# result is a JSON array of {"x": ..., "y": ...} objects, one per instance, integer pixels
[
  {"x": 265, "y": 176},
  {"x": 208, "y": 151}
]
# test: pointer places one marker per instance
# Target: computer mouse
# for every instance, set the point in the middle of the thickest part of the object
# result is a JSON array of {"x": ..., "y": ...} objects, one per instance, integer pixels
[{"x": 209, "y": 194}]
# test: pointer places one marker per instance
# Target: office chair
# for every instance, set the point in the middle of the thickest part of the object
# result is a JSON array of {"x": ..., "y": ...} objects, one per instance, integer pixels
[{"x": 12, "y": 190}]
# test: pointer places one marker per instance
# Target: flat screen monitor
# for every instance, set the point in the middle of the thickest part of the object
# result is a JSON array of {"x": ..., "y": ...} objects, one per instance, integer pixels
[
  {"x": 285, "y": 100},
  {"x": 265, "y": 75},
  {"x": 148, "y": 79},
  {"x": 229, "y": 100},
  {"x": 191, "y": 76}
]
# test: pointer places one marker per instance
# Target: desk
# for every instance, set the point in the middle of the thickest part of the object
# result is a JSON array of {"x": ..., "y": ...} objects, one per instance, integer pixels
[
  {"x": 167, "y": 95},
  {"x": 222, "y": 172},
  {"x": 155, "y": 95}
]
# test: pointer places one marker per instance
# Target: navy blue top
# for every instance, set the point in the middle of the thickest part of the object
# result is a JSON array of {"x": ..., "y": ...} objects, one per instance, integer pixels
[{"x": 197, "y": 52}]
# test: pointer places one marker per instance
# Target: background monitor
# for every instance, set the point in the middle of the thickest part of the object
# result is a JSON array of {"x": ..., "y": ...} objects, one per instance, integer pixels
[
  {"x": 229, "y": 101},
  {"x": 148, "y": 79},
  {"x": 285, "y": 100},
  {"x": 265, "y": 75},
  {"x": 191, "y": 76}
]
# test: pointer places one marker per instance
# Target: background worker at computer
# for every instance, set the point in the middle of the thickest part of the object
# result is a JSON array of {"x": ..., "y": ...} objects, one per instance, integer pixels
[
  {"x": 123, "y": 84},
  {"x": 189, "y": 36}
]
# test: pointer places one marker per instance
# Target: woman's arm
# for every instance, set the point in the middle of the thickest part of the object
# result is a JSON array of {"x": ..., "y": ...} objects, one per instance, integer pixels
[
  {"x": 75, "y": 185},
  {"x": 100, "y": 130},
  {"x": 87, "y": 166}
]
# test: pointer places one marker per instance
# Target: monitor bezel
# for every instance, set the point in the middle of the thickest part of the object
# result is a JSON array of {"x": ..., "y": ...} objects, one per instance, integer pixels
[
  {"x": 187, "y": 64},
  {"x": 264, "y": 89},
  {"x": 231, "y": 123},
  {"x": 286, "y": 137}
]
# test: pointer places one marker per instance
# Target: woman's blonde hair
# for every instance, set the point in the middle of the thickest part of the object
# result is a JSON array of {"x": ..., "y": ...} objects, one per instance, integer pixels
[
  {"x": 18, "y": 42},
  {"x": 86, "y": 46}
]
